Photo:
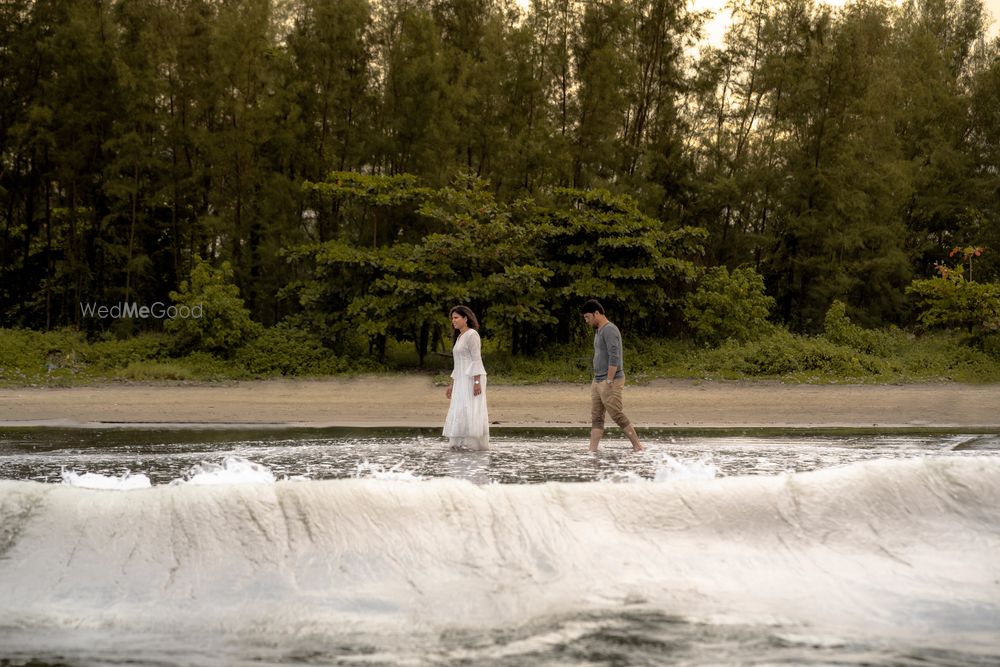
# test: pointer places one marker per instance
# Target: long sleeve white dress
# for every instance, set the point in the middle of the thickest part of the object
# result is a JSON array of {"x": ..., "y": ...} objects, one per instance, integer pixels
[{"x": 468, "y": 422}]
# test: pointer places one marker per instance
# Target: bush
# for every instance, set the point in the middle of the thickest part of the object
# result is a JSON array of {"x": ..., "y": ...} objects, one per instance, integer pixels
[
  {"x": 565, "y": 362},
  {"x": 41, "y": 356},
  {"x": 951, "y": 301},
  {"x": 116, "y": 354},
  {"x": 991, "y": 345},
  {"x": 224, "y": 323},
  {"x": 945, "y": 356},
  {"x": 285, "y": 350},
  {"x": 786, "y": 355},
  {"x": 658, "y": 357},
  {"x": 195, "y": 367},
  {"x": 728, "y": 307},
  {"x": 838, "y": 329}
]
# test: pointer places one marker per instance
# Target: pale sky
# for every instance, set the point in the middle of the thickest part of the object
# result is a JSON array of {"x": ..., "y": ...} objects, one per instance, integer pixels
[{"x": 716, "y": 28}]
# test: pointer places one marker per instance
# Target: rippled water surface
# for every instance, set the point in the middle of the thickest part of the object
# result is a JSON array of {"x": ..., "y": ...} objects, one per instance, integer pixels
[{"x": 516, "y": 457}]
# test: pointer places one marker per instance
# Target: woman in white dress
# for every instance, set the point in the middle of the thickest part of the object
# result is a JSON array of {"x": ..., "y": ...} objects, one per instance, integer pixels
[{"x": 467, "y": 425}]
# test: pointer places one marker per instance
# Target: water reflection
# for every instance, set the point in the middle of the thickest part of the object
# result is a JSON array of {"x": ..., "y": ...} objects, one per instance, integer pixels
[{"x": 472, "y": 466}]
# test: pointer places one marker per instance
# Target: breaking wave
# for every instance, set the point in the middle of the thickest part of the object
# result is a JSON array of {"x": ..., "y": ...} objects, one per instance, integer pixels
[{"x": 888, "y": 546}]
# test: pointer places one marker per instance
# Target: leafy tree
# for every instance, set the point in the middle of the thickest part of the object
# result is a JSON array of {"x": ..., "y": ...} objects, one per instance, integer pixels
[
  {"x": 837, "y": 152},
  {"x": 331, "y": 55},
  {"x": 601, "y": 245},
  {"x": 219, "y": 322},
  {"x": 728, "y": 306},
  {"x": 471, "y": 252},
  {"x": 375, "y": 222},
  {"x": 934, "y": 43},
  {"x": 495, "y": 262},
  {"x": 979, "y": 224},
  {"x": 950, "y": 300},
  {"x": 414, "y": 118}
]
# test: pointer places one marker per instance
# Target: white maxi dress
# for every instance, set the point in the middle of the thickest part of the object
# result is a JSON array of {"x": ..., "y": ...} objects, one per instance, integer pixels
[{"x": 467, "y": 425}]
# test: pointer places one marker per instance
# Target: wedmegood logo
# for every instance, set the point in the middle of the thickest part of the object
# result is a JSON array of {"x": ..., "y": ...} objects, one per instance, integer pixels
[{"x": 157, "y": 311}]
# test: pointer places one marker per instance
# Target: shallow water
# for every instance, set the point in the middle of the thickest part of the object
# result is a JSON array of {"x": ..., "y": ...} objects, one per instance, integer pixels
[
  {"x": 386, "y": 548},
  {"x": 518, "y": 456}
]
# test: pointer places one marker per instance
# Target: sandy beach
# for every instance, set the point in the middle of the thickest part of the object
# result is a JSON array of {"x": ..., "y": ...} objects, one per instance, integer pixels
[{"x": 414, "y": 401}]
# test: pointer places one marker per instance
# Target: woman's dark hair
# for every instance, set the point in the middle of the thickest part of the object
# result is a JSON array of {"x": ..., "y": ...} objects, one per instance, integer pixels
[
  {"x": 470, "y": 319},
  {"x": 592, "y": 306}
]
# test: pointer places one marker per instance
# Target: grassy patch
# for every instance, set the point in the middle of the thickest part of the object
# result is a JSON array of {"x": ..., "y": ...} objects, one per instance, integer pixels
[
  {"x": 56, "y": 358},
  {"x": 66, "y": 358}
]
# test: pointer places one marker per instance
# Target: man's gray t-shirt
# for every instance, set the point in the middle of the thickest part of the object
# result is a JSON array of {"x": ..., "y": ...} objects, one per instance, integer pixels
[{"x": 608, "y": 352}]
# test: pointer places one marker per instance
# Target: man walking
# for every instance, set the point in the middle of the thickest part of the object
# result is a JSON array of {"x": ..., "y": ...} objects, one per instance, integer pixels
[{"x": 609, "y": 377}]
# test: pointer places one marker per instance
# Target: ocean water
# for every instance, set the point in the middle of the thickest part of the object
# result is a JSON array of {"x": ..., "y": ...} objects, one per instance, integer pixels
[{"x": 339, "y": 547}]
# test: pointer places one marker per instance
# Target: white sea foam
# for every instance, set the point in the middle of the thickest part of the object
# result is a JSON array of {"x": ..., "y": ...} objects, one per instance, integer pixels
[
  {"x": 669, "y": 469},
  {"x": 232, "y": 470},
  {"x": 396, "y": 473},
  {"x": 621, "y": 477},
  {"x": 91, "y": 480}
]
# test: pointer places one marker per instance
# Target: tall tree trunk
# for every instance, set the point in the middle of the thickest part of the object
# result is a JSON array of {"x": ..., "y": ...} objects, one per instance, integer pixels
[
  {"x": 49, "y": 267},
  {"x": 74, "y": 256},
  {"x": 131, "y": 232}
]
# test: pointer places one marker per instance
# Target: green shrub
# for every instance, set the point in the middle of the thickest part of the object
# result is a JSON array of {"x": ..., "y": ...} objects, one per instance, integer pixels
[
  {"x": 945, "y": 356},
  {"x": 221, "y": 323},
  {"x": 659, "y": 357},
  {"x": 117, "y": 354},
  {"x": 786, "y": 355},
  {"x": 990, "y": 344},
  {"x": 285, "y": 350},
  {"x": 728, "y": 307},
  {"x": 951, "y": 301},
  {"x": 194, "y": 367},
  {"x": 557, "y": 363},
  {"x": 838, "y": 329},
  {"x": 149, "y": 371},
  {"x": 41, "y": 356}
]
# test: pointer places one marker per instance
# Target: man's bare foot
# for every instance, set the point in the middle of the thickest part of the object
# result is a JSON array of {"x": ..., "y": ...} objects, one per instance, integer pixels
[{"x": 633, "y": 437}]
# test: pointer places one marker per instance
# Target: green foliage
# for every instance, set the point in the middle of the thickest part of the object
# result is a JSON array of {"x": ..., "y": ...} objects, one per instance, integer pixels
[
  {"x": 61, "y": 358},
  {"x": 197, "y": 367},
  {"x": 781, "y": 356},
  {"x": 951, "y": 301},
  {"x": 946, "y": 356},
  {"x": 599, "y": 244},
  {"x": 523, "y": 267},
  {"x": 790, "y": 356},
  {"x": 30, "y": 357},
  {"x": 728, "y": 306},
  {"x": 838, "y": 328},
  {"x": 193, "y": 367},
  {"x": 558, "y": 363},
  {"x": 158, "y": 371},
  {"x": 286, "y": 350},
  {"x": 65, "y": 357},
  {"x": 840, "y": 152},
  {"x": 219, "y": 321},
  {"x": 115, "y": 350}
]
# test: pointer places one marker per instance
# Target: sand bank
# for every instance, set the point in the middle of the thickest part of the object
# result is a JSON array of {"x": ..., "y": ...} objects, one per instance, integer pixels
[{"x": 414, "y": 401}]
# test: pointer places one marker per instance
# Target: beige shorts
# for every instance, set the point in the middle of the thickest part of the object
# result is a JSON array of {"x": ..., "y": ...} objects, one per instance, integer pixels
[{"x": 607, "y": 398}]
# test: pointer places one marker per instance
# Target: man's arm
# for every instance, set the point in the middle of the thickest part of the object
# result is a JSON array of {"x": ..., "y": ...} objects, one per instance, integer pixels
[{"x": 613, "y": 340}]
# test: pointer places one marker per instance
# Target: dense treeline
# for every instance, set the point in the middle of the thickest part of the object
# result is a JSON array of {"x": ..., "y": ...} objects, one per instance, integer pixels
[{"x": 515, "y": 158}]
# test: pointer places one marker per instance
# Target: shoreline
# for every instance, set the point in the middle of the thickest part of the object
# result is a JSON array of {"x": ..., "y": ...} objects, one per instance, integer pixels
[{"x": 415, "y": 402}]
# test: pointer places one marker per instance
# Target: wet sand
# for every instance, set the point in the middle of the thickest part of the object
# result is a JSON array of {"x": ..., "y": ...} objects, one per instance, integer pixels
[{"x": 414, "y": 401}]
